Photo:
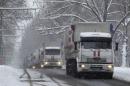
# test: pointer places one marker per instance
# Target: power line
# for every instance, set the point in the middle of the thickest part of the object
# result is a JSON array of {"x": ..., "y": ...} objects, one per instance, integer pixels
[{"x": 20, "y": 8}]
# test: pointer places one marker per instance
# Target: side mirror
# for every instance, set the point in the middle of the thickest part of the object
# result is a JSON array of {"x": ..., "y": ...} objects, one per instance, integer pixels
[{"x": 116, "y": 46}]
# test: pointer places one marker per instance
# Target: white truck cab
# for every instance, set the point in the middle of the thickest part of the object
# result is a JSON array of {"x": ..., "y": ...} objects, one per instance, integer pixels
[{"x": 52, "y": 57}]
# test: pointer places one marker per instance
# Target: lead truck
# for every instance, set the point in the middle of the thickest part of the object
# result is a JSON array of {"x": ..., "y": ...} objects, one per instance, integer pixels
[{"x": 88, "y": 49}]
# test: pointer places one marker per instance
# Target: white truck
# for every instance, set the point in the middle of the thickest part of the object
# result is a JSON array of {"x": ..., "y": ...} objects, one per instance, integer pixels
[
  {"x": 35, "y": 59},
  {"x": 88, "y": 49},
  {"x": 52, "y": 57}
]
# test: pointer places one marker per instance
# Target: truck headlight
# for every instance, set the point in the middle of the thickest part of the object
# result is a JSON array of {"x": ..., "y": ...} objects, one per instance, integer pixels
[
  {"x": 33, "y": 67},
  {"x": 46, "y": 63},
  {"x": 59, "y": 63},
  {"x": 42, "y": 65},
  {"x": 109, "y": 66},
  {"x": 82, "y": 65}
]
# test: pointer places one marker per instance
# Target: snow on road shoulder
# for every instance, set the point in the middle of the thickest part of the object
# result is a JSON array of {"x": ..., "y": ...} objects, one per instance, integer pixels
[
  {"x": 9, "y": 76},
  {"x": 36, "y": 76},
  {"x": 122, "y": 73},
  {"x": 44, "y": 80}
]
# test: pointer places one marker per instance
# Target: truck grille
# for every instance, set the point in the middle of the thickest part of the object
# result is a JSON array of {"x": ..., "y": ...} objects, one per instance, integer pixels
[
  {"x": 52, "y": 63},
  {"x": 96, "y": 60},
  {"x": 96, "y": 68}
]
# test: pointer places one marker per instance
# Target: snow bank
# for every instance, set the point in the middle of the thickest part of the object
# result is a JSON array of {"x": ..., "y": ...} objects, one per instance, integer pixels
[
  {"x": 9, "y": 76},
  {"x": 122, "y": 73}
]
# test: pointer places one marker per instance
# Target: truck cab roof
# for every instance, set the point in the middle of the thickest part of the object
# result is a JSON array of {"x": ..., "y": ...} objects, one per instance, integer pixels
[
  {"x": 95, "y": 34},
  {"x": 52, "y": 47}
]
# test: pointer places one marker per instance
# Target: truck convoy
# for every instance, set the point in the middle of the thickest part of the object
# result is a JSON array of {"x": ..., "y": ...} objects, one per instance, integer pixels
[
  {"x": 52, "y": 57},
  {"x": 88, "y": 49}
]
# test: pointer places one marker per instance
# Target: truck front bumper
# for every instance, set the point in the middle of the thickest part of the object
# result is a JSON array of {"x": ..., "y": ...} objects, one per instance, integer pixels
[
  {"x": 92, "y": 68},
  {"x": 52, "y": 64}
]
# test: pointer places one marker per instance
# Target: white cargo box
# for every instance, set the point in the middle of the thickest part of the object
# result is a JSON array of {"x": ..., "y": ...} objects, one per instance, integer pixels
[{"x": 90, "y": 27}]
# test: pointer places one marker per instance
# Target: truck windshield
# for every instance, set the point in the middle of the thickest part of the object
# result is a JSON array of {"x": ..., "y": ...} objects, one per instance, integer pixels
[
  {"x": 52, "y": 52},
  {"x": 96, "y": 43}
]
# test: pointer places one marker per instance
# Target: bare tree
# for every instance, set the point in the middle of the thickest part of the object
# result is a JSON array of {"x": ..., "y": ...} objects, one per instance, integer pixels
[
  {"x": 65, "y": 12},
  {"x": 9, "y": 24}
]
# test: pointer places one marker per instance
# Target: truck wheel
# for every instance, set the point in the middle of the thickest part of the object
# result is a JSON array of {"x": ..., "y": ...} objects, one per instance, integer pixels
[
  {"x": 68, "y": 67},
  {"x": 74, "y": 68},
  {"x": 67, "y": 71},
  {"x": 71, "y": 68}
]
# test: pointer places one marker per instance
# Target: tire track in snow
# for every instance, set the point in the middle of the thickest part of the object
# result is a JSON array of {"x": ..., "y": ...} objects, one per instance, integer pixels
[{"x": 60, "y": 82}]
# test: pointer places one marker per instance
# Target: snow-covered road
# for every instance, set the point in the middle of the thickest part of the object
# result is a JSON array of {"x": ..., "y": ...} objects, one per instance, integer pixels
[
  {"x": 60, "y": 75},
  {"x": 9, "y": 76},
  {"x": 42, "y": 79}
]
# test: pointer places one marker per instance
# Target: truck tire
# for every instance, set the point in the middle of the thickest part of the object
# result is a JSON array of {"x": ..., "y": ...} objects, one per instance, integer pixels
[
  {"x": 68, "y": 71},
  {"x": 71, "y": 68},
  {"x": 74, "y": 68}
]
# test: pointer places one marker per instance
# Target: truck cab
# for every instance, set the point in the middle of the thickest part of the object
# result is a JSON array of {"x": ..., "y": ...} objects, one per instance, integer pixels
[
  {"x": 95, "y": 53},
  {"x": 52, "y": 57}
]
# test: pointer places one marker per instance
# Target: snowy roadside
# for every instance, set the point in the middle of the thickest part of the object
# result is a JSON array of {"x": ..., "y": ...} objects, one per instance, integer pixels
[
  {"x": 43, "y": 80},
  {"x": 37, "y": 80},
  {"x": 9, "y": 76},
  {"x": 122, "y": 73}
]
